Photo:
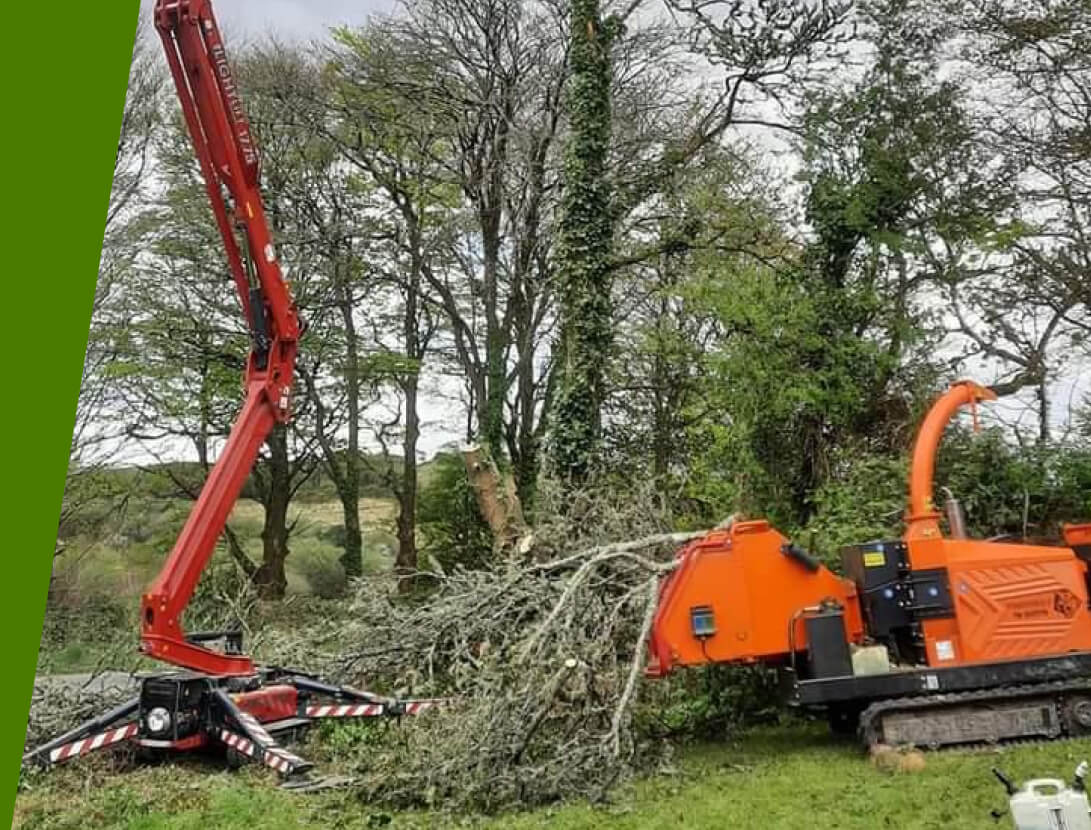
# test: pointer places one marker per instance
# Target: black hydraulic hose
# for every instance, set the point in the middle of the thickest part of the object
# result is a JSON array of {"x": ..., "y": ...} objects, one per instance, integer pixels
[
  {"x": 259, "y": 329},
  {"x": 804, "y": 558},
  {"x": 1007, "y": 782}
]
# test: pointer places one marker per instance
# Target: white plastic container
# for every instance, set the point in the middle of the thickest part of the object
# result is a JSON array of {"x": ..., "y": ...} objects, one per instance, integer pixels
[
  {"x": 1047, "y": 804},
  {"x": 870, "y": 660}
]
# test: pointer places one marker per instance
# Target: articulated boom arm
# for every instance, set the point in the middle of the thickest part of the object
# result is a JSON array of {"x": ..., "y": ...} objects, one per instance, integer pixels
[{"x": 230, "y": 165}]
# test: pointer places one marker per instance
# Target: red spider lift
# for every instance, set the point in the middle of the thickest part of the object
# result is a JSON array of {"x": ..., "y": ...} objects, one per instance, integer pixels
[{"x": 219, "y": 697}]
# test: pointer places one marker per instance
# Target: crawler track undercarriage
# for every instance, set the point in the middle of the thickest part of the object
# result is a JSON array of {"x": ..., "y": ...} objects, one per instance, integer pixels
[{"x": 987, "y": 717}]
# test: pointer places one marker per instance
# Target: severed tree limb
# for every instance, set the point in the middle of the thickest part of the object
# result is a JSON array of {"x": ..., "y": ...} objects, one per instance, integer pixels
[
  {"x": 576, "y": 581},
  {"x": 651, "y": 600},
  {"x": 553, "y": 686},
  {"x": 618, "y": 548}
]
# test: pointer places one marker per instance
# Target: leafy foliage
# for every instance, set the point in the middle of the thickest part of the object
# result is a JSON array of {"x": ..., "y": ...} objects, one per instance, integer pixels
[
  {"x": 1006, "y": 489},
  {"x": 1016, "y": 490},
  {"x": 453, "y": 533}
]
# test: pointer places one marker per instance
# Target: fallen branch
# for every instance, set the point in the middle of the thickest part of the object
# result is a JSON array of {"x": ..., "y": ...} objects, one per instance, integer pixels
[{"x": 634, "y": 667}]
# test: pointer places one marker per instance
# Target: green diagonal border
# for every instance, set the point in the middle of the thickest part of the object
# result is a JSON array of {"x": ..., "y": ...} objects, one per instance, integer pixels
[{"x": 65, "y": 67}]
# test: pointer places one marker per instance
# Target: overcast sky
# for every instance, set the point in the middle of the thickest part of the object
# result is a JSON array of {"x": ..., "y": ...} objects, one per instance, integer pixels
[{"x": 288, "y": 19}]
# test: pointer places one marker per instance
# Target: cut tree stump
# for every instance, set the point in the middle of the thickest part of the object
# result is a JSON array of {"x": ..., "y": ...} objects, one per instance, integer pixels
[{"x": 498, "y": 501}]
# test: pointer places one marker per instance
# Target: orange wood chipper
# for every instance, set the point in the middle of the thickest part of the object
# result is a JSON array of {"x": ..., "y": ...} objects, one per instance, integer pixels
[{"x": 932, "y": 639}]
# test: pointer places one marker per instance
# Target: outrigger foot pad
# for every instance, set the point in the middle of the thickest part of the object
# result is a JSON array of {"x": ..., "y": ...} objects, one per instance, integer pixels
[{"x": 307, "y": 784}]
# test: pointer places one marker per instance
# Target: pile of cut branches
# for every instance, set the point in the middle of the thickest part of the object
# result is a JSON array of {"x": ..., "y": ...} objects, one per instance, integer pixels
[
  {"x": 58, "y": 705},
  {"x": 542, "y": 657}
]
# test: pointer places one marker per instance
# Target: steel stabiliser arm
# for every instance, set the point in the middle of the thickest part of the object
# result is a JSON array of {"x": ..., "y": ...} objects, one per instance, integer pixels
[{"x": 230, "y": 166}]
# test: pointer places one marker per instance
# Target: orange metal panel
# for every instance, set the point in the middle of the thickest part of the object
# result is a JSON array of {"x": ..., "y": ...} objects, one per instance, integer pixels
[
  {"x": 269, "y": 703},
  {"x": 1077, "y": 535},
  {"x": 755, "y": 593},
  {"x": 1011, "y": 601}
]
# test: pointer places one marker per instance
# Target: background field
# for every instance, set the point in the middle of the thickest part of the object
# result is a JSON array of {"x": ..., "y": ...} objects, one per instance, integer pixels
[{"x": 98, "y": 581}]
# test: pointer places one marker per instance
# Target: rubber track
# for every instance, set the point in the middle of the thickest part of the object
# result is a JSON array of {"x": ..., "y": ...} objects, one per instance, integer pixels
[{"x": 868, "y": 726}]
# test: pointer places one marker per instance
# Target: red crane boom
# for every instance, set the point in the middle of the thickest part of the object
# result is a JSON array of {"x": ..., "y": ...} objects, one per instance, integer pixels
[
  {"x": 223, "y": 700},
  {"x": 230, "y": 165}
]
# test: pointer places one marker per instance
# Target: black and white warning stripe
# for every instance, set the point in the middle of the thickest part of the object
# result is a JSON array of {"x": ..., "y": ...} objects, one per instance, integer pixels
[
  {"x": 238, "y": 742},
  {"x": 91, "y": 743},
  {"x": 415, "y": 707},
  {"x": 370, "y": 710},
  {"x": 282, "y": 760}
]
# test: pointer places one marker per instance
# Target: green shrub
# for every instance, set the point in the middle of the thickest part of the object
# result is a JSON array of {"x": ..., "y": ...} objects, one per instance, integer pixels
[
  {"x": 451, "y": 528},
  {"x": 224, "y": 599},
  {"x": 1008, "y": 488},
  {"x": 1005, "y": 489},
  {"x": 711, "y": 702},
  {"x": 333, "y": 535},
  {"x": 324, "y": 575},
  {"x": 864, "y": 500},
  {"x": 90, "y": 619}
]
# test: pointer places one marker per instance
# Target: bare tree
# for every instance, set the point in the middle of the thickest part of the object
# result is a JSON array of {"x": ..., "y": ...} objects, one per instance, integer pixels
[
  {"x": 1025, "y": 298},
  {"x": 94, "y": 437}
]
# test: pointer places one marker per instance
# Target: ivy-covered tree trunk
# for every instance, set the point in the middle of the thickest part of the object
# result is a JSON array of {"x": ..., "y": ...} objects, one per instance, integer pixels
[{"x": 584, "y": 248}]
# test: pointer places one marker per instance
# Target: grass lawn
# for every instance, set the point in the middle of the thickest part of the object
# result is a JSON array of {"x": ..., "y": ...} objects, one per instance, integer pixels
[{"x": 792, "y": 776}]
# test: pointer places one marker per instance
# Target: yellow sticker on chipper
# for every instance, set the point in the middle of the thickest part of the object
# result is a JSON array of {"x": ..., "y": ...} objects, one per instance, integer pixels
[{"x": 874, "y": 559}]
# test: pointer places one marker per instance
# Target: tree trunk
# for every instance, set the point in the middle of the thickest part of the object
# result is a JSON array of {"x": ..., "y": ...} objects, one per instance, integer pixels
[
  {"x": 405, "y": 563},
  {"x": 662, "y": 423},
  {"x": 525, "y": 463},
  {"x": 270, "y": 579},
  {"x": 497, "y": 500},
  {"x": 492, "y": 407},
  {"x": 490, "y": 208},
  {"x": 353, "y": 556},
  {"x": 352, "y": 560},
  {"x": 1042, "y": 394}
]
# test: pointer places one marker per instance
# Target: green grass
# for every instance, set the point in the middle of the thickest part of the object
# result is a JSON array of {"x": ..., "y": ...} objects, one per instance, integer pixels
[
  {"x": 792, "y": 776},
  {"x": 73, "y": 657}
]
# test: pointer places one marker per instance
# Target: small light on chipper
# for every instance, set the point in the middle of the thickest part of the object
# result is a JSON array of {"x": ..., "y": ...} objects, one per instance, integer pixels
[{"x": 703, "y": 621}]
